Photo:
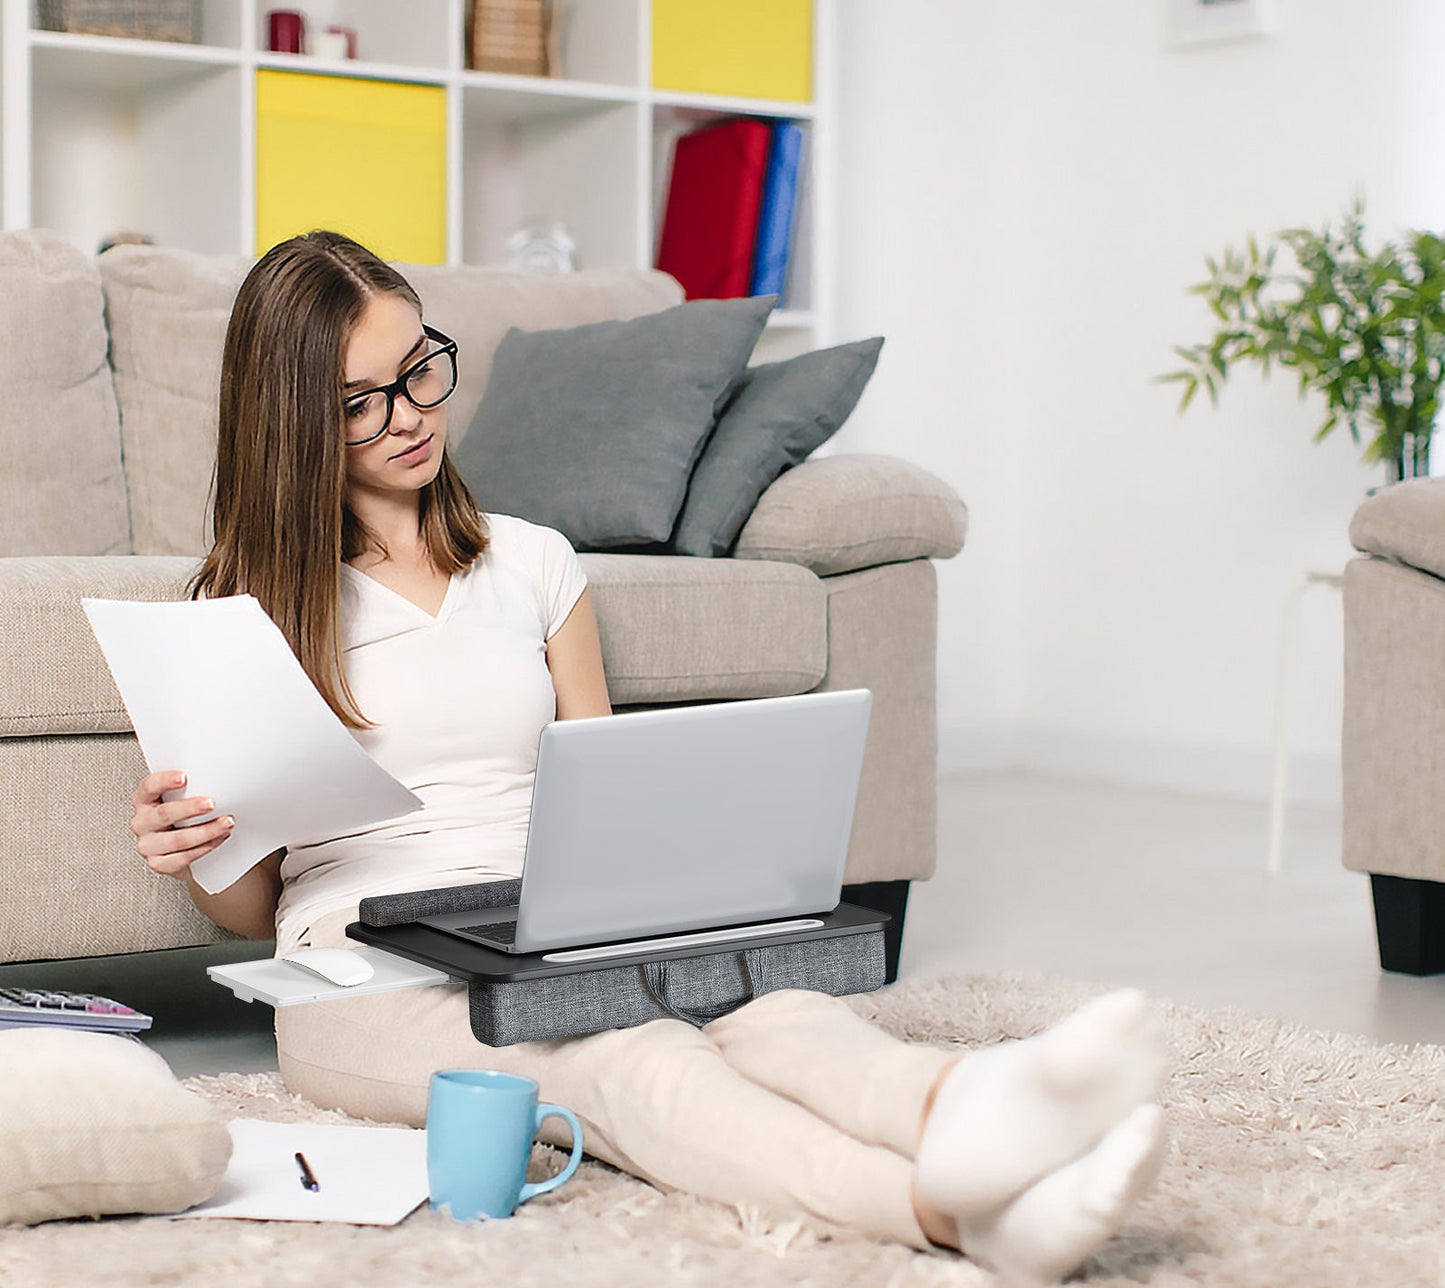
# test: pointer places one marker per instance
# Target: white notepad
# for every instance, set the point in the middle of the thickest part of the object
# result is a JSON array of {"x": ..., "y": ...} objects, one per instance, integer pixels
[
  {"x": 365, "y": 1175},
  {"x": 214, "y": 690}
]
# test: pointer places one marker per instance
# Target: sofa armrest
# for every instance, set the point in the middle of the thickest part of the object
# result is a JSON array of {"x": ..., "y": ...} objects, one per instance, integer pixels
[
  {"x": 836, "y": 514},
  {"x": 53, "y": 677},
  {"x": 1404, "y": 523}
]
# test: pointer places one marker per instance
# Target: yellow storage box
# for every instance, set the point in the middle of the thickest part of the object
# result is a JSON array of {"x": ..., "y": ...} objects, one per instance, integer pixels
[
  {"x": 367, "y": 158},
  {"x": 741, "y": 48}
]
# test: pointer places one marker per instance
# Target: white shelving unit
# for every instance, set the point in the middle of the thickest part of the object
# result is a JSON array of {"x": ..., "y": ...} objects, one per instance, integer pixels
[{"x": 100, "y": 134}]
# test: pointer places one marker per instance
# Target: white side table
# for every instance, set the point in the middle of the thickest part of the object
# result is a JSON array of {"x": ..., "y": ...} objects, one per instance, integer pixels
[{"x": 1287, "y": 630}]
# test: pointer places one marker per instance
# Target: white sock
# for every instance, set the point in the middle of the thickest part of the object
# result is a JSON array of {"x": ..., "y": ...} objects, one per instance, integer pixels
[
  {"x": 1049, "y": 1229},
  {"x": 1007, "y": 1115}
]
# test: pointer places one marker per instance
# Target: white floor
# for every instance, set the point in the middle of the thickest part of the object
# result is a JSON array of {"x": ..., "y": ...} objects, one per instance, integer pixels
[
  {"x": 1036, "y": 874},
  {"x": 1163, "y": 890}
]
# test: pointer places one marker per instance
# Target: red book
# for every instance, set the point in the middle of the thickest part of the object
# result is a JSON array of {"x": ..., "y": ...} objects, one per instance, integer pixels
[{"x": 711, "y": 223}]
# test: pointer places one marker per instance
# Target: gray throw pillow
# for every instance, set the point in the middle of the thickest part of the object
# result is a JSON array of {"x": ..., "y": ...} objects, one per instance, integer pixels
[
  {"x": 776, "y": 416},
  {"x": 594, "y": 430}
]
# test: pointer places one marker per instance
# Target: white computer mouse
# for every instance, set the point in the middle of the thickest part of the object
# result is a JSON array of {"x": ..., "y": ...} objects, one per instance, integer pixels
[{"x": 335, "y": 965}]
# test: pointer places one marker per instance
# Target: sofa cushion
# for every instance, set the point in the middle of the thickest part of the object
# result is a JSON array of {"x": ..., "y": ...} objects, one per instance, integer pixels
[
  {"x": 1405, "y": 523},
  {"x": 53, "y": 676},
  {"x": 690, "y": 630},
  {"x": 168, "y": 312},
  {"x": 776, "y": 416},
  {"x": 96, "y": 1124},
  {"x": 673, "y": 629},
  {"x": 478, "y": 306},
  {"x": 62, "y": 490},
  {"x": 595, "y": 430},
  {"x": 834, "y": 514}
]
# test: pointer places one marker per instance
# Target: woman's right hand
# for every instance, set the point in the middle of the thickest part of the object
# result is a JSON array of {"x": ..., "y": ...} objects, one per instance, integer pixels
[{"x": 166, "y": 848}]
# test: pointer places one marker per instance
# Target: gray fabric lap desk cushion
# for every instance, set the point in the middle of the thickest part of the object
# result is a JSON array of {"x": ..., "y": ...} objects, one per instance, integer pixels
[{"x": 388, "y": 922}]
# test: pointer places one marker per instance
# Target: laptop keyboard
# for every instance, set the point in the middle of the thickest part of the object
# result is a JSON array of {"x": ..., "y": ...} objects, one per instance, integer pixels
[{"x": 500, "y": 932}]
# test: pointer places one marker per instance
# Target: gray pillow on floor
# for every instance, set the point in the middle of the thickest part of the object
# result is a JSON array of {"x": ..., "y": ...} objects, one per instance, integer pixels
[
  {"x": 594, "y": 430},
  {"x": 776, "y": 416}
]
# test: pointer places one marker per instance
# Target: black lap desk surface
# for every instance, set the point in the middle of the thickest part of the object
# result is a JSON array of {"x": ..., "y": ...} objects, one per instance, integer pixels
[{"x": 468, "y": 961}]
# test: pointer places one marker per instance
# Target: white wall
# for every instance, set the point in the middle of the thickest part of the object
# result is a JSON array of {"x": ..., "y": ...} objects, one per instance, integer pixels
[{"x": 1027, "y": 189}]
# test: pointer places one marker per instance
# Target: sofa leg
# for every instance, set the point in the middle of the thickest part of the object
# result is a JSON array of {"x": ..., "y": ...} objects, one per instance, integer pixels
[
  {"x": 884, "y": 896},
  {"x": 1409, "y": 924}
]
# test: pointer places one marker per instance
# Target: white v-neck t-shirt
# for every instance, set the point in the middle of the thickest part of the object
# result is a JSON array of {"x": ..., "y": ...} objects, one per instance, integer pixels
[{"x": 458, "y": 702}]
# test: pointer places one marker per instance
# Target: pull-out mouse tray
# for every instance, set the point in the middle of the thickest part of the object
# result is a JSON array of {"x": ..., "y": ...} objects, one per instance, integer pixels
[{"x": 278, "y": 983}]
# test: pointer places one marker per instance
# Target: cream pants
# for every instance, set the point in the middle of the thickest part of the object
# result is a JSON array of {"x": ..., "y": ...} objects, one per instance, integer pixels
[{"x": 792, "y": 1101}]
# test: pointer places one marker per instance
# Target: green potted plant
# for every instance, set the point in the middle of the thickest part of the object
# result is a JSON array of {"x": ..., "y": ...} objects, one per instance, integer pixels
[{"x": 1367, "y": 331}]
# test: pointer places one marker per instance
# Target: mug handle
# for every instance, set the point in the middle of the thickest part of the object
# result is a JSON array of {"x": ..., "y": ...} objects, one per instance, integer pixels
[{"x": 531, "y": 1191}]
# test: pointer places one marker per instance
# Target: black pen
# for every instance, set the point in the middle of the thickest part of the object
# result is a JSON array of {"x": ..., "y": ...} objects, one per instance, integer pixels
[{"x": 308, "y": 1181}]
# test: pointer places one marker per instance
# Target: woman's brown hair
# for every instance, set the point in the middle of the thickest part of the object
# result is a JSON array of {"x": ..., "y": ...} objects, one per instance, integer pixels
[{"x": 282, "y": 527}]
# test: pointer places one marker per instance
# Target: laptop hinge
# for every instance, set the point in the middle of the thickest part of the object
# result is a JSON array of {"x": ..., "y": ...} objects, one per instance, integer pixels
[{"x": 699, "y": 938}]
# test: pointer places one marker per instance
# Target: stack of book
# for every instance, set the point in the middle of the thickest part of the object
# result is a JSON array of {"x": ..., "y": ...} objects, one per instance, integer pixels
[
  {"x": 512, "y": 36},
  {"x": 727, "y": 229}
]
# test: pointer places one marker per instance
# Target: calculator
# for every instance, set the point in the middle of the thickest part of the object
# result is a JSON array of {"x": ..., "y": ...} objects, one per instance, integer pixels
[{"x": 34, "y": 1007}]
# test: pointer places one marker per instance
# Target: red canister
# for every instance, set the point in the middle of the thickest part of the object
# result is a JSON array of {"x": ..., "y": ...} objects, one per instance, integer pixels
[{"x": 287, "y": 31}]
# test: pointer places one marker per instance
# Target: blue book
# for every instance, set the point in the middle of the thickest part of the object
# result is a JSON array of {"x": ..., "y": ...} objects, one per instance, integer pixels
[{"x": 775, "y": 220}]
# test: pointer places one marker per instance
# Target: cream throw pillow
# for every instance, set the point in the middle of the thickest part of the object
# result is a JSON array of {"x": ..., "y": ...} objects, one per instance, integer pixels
[{"x": 95, "y": 1124}]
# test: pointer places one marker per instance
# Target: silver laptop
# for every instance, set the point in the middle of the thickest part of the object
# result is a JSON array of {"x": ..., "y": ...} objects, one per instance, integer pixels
[{"x": 687, "y": 825}]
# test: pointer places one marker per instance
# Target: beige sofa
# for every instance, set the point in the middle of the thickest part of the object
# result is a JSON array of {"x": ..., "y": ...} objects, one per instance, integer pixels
[
  {"x": 1394, "y": 720},
  {"x": 109, "y": 369}
]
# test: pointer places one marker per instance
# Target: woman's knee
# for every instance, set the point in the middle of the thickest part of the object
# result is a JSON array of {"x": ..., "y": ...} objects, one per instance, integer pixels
[
  {"x": 653, "y": 1064},
  {"x": 785, "y": 1006},
  {"x": 352, "y": 1092}
]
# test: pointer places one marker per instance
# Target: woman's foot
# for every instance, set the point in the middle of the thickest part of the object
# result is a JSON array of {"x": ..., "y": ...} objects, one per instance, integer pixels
[
  {"x": 1004, "y": 1117},
  {"x": 1051, "y": 1227}
]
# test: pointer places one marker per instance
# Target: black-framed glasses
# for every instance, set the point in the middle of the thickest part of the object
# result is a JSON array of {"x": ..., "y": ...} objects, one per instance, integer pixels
[{"x": 425, "y": 384}]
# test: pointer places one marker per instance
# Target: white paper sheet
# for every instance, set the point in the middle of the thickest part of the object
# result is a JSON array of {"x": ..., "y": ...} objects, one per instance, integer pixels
[
  {"x": 366, "y": 1175},
  {"x": 214, "y": 690}
]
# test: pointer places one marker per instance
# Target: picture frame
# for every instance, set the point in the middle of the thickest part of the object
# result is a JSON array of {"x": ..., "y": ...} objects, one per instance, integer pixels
[{"x": 1206, "y": 22}]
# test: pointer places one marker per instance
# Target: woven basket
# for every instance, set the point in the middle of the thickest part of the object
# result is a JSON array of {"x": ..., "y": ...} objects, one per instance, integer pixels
[
  {"x": 139, "y": 19},
  {"x": 511, "y": 36}
]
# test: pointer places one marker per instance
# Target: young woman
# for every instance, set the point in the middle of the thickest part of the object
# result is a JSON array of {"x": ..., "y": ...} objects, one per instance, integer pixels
[{"x": 446, "y": 641}]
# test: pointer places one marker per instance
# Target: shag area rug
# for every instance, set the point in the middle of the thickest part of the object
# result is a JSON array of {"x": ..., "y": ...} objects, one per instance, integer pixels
[{"x": 1297, "y": 1158}]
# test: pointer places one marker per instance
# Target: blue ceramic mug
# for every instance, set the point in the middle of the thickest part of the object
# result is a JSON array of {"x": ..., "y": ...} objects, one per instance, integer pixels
[{"x": 479, "y": 1130}]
